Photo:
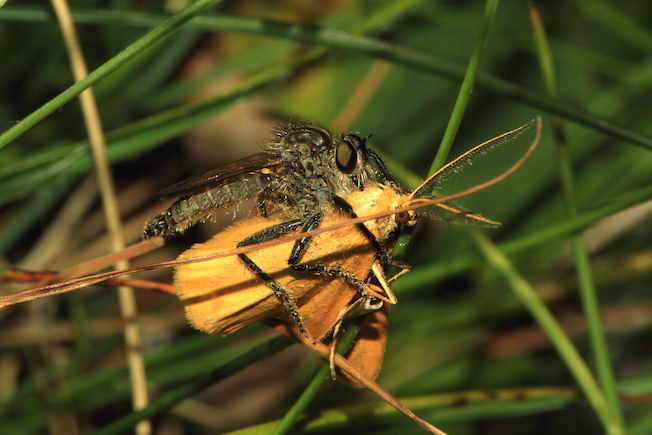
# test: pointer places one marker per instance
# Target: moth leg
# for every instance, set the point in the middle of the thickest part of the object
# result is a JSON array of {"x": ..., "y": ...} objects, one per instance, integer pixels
[
  {"x": 360, "y": 306},
  {"x": 398, "y": 275},
  {"x": 336, "y": 328},
  {"x": 379, "y": 273},
  {"x": 270, "y": 233}
]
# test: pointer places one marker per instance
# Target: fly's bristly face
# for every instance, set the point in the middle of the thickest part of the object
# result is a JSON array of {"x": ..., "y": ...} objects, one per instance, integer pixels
[{"x": 319, "y": 166}]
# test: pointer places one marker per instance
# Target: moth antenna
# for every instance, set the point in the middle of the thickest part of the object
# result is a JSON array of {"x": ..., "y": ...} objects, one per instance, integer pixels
[
  {"x": 455, "y": 213},
  {"x": 431, "y": 201},
  {"x": 465, "y": 159}
]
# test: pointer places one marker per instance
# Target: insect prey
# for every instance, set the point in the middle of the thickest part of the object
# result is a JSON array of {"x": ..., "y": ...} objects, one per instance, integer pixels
[{"x": 340, "y": 273}]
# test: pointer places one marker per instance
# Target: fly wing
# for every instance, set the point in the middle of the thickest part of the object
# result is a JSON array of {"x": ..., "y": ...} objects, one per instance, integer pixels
[
  {"x": 451, "y": 212},
  {"x": 251, "y": 166}
]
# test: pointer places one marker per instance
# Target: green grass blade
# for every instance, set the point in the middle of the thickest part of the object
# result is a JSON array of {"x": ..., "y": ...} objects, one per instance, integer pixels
[
  {"x": 547, "y": 322},
  {"x": 355, "y": 43},
  {"x": 151, "y": 38},
  {"x": 169, "y": 400},
  {"x": 585, "y": 279},
  {"x": 465, "y": 89}
]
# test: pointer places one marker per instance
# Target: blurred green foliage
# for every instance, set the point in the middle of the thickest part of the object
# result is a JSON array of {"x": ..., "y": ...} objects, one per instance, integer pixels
[{"x": 457, "y": 326}]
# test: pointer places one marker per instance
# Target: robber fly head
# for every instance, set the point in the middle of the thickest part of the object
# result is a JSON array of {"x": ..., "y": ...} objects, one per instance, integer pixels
[{"x": 338, "y": 163}]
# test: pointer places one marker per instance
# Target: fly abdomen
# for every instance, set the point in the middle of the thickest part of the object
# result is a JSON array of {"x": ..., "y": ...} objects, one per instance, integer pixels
[{"x": 186, "y": 212}]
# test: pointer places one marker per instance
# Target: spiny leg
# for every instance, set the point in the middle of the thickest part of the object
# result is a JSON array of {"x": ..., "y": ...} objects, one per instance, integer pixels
[
  {"x": 300, "y": 248},
  {"x": 313, "y": 222},
  {"x": 381, "y": 254},
  {"x": 273, "y": 232},
  {"x": 301, "y": 245},
  {"x": 321, "y": 269}
]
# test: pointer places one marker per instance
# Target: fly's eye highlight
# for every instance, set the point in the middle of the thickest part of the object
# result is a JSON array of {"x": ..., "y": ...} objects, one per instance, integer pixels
[
  {"x": 346, "y": 156},
  {"x": 402, "y": 217}
]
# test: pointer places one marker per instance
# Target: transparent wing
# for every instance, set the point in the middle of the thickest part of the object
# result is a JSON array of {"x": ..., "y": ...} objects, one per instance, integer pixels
[{"x": 250, "y": 166}]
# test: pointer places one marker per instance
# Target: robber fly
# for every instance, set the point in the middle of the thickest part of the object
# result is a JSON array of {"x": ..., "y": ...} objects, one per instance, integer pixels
[
  {"x": 301, "y": 171},
  {"x": 305, "y": 174}
]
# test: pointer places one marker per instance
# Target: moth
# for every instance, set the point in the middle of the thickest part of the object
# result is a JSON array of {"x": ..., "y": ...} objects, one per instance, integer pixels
[{"x": 341, "y": 271}]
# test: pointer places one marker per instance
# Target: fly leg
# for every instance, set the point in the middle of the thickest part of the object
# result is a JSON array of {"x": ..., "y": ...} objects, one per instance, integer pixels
[
  {"x": 301, "y": 245},
  {"x": 300, "y": 248},
  {"x": 274, "y": 232},
  {"x": 381, "y": 253}
]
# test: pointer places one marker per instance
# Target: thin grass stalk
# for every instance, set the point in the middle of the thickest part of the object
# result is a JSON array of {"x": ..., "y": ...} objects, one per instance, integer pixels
[
  {"x": 585, "y": 278},
  {"x": 127, "y": 298},
  {"x": 465, "y": 90},
  {"x": 349, "y": 42},
  {"x": 457, "y": 113},
  {"x": 538, "y": 310}
]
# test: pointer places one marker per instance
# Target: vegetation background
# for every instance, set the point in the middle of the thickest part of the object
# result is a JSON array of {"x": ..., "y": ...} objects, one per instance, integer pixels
[{"x": 467, "y": 349}]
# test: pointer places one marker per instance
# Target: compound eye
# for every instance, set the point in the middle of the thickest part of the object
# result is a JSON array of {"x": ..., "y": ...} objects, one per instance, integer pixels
[
  {"x": 402, "y": 217},
  {"x": 346, "y": 156}
]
